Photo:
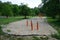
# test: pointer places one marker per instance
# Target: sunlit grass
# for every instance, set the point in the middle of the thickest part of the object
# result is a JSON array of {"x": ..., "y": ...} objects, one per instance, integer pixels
[{"x": 11, "y": 19}]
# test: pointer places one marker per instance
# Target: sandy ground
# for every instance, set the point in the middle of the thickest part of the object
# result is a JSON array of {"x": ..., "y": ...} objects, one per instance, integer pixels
[{"x": 20, "y": 27}]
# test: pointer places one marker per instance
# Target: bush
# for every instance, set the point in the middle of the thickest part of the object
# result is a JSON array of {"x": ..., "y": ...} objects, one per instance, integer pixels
[{"x": 57, "y": 36}]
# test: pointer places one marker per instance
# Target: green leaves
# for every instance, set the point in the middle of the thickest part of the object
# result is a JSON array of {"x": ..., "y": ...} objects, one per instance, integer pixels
[
  {"x": 51, "y": 8},
  {"x": 8, "y": 9}
]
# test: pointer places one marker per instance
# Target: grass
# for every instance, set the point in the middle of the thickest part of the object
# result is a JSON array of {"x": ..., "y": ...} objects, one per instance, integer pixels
[
  {"x": 8, "y": 20},
  {"x": 8, "y": 30},
  {"x": 53, "y": 22},
  {"x": 4, "y": 21},
  {"x": 56, "y": 24},
  {"x": 35, "y": 38},
  {"x": 40, "y": 38},
  {"x": 1, "y": 32},
  {"x": 11, "y": 19},
  {"x": 57, "y": 36}
]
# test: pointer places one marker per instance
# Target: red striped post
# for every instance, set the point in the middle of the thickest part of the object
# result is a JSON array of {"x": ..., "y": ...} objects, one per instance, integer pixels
[
  {"x": 31, "y": 25},
  {"x": 37, "y": 26}
]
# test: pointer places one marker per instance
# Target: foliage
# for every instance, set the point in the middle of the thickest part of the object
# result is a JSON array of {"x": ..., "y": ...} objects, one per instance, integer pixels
[
  {"x": 8, "y": 9},
  {"x": 56, "y": 25},
  {"x": 10, "y": 19},
  {"x": 40, "y": 38},
  {"x": 8, "y": 30},
  {"x": 57, "y": 36},
  {"x": 36, "y": 38},
  {"x": 1, "y": 32},
  {"x": 51, "y": 8},
  {"x": 24, "y": 10}
]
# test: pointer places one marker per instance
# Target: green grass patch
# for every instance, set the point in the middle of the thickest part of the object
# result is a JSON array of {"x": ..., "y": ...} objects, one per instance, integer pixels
[
  {"x": 19, "y": 38},
  {"x": 40, "y": 38},
  {"x": 35, "y": 38},
  {"x": 8, "y": 20},
  {"x": 8, "y": 30},
  {"x": 56, "y": 24},
  {"x": 1, "y": 32},
  {"x": 11, "y": 19},
  {"x": 57, "y": 36}
]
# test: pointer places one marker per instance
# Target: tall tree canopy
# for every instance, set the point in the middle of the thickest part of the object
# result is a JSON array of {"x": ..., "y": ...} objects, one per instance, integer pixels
[
  {"x": 25, "y": 10},
  {"x": 9, "y": 9},
  {"x": 51, "y": 8}
]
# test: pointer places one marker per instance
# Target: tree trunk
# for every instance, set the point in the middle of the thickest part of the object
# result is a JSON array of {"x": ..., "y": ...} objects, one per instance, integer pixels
[{"x": 25, "y": 16}]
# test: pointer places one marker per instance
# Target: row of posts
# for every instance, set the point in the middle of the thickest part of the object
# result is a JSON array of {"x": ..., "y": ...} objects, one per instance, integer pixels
[{"x": 37, "y": 27}]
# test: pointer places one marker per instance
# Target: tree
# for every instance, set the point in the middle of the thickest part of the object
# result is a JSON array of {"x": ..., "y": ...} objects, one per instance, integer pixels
[
  {"x": 15, "y": 10},
  {"x": 6, "y": 9},
  {"x": 9, "y": 9},
  {"x": 32, "y": 12},
  {"x": 0, "y": 8},
  {"x": 51, "y": 8},
  {"x": 25, "y": 10},
  {"x": 36, "y": 10},
  {"x": 44, "y": 1}
]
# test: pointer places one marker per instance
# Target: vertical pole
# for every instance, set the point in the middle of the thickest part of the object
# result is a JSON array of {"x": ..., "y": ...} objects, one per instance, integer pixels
[
  {"x": 31, "y": 25},
  {"x": 37, "y": 26}
]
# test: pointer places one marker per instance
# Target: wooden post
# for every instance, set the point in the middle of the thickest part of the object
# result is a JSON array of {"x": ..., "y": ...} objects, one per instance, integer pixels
[{"x": 31, "y": 25}]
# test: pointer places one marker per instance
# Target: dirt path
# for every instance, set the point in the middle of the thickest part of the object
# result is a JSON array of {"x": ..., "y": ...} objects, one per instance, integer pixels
[{"x": 20, "y": 27}]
